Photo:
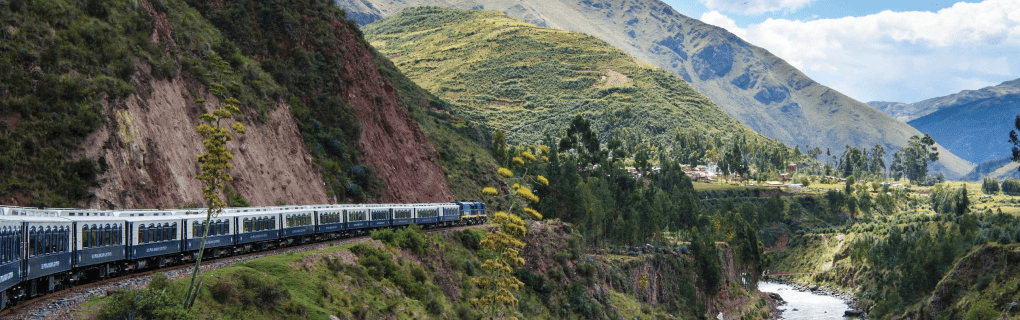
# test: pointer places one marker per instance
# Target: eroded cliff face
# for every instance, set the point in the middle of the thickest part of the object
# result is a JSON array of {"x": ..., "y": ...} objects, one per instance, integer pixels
[
  {"x": 148, "y": 144},
  {"x": 149, "y": 147},
  {"x": 391, "y": 142}
]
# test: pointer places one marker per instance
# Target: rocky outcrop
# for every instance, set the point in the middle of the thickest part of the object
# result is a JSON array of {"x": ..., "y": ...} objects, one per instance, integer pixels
[{"x": 148, "y": 146}]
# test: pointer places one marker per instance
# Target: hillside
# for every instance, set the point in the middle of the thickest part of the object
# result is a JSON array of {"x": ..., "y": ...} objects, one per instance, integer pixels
[
  {"x": 999, "y": 168},
  {"x": 907, "y": 112},
  {"x": 99, "y": 106},
  {"x": 391, "y": 279},
  {"x": 530, "y": 81},
  {"x": 977, "y": 131},
  {"x": 749, "y": 83}
]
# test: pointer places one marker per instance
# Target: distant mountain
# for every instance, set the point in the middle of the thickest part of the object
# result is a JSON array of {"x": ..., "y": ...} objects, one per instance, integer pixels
[
  {"x": 976, "y": 130},
  {"x": 910, "y": 111},
  {"x": 529, "y": 80},
  {"x": 999, "y": 168},
  {"x": 749, "y": 83},
  {"x": 899, "y": 110}
]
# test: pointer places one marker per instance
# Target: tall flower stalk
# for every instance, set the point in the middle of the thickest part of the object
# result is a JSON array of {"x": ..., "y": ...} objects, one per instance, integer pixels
[
  {"x": 507, "y": 241},
  {"x": 215, "y": 162}
]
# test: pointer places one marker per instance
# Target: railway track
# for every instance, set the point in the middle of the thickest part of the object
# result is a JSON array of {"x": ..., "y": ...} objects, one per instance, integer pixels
[{"x": 64, "y": 303}]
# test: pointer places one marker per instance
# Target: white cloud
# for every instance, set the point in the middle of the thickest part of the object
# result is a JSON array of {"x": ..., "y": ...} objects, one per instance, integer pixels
[
  {"x": 720, "y": 20},
  {"x": 755, "y": 7},
  {"x": 900, "y": 56}
]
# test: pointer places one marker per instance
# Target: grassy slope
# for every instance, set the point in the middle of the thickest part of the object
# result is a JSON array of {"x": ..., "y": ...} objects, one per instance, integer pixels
[{"x": 529, "y": 80}]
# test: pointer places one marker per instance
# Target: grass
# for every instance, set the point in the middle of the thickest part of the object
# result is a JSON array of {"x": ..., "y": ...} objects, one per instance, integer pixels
[{"x": 529, "y": 81}]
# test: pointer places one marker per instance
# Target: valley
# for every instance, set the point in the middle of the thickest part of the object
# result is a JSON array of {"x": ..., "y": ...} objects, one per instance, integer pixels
[{"x": 635, "y": 163}]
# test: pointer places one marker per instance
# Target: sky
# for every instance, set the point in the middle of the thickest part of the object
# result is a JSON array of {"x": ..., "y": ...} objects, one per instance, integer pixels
[{"x": 901, "y": 51}]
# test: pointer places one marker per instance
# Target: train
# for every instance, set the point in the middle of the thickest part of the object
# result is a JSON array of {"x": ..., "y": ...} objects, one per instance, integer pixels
[{"x": 49, "y": 249}]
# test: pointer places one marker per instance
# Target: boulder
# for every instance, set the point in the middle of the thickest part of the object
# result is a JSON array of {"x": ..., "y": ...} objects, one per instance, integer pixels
[{"x": 853, "y": 313}]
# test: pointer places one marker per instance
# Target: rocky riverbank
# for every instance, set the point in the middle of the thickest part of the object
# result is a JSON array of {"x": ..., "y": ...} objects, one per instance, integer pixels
[{"x": 854, "y": 309}]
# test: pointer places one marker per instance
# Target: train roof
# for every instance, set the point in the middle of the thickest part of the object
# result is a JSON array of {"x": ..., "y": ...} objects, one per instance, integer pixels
[
  {"x": 154, "y": 218},
  {"x": 35, "y": 219},
  {"x": 94, "y": 218}
]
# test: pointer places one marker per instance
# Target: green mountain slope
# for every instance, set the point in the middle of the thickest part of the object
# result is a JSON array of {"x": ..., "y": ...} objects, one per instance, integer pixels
[
  {"x": 753, "y": 86},
  {"x": 528, "y": 80}
]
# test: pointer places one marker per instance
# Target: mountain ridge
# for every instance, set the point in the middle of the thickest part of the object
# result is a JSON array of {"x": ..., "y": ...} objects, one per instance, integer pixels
[
  {"x": 751, "y": 85},
  {"x": 908, "y": 112}
]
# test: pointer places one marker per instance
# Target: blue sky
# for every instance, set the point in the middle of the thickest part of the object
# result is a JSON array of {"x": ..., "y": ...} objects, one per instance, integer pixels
[{"x": 903, "y": 51}]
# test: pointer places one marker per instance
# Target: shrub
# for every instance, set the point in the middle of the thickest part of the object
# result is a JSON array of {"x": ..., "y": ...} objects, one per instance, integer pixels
[
  {"x": 982, "y": 309},
  {"x": 259, "y": 292},
  {"x": 143, "y": 304}
]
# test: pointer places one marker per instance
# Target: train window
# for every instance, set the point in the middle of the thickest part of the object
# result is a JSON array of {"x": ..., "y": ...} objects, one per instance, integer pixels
[
  {"x": 63, "y": 240},
  {"x": 120, "y": 234},
  {"x": 272, "y": 223},
  {"x": 173, "y": 231},
  {"x": 3, "y": 245},
  {"x": 47, "y": 238},
  {"x": 141, "y": 233},
  {"x": 194, "y": 229},
  {"x": 17, "y": 243},
  {"x": 85, "y": 236},
  {"x": 166, "y": 231},
  {"x": 151, "y": 233},
  {"x": 246, "y": 226},
  {"x": 226, "y": 226},
  {"x": 59, "y": 235},
  {"x": 31, "y": 242},
  {"x": 93, "y": 237},
  {"x": 107, "y": 237},
  {"x": 56, "y": 238}
]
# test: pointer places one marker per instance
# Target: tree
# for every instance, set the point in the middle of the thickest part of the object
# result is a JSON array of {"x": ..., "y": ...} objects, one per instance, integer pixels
[
  {"x": 499, "y": 148},
  {"x": 877, "y": 165},
  {"x": 964, "y": 203},
  {"x": 707, "y": 261},
  {"x": 215, "y": 162},
  {"x": 1015, "y": 140},
  {"x": 990, "y": 185},
  {"x": 734, "y": 162},
  {"x": 914, "y": 158},
  {"x": 896, "y": 167}
]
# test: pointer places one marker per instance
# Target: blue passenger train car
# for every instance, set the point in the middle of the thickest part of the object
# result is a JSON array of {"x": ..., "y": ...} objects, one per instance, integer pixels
[
  {"x": 449, "y": 212},
  {"x": 256, "y": 226},
  {"x": 402, "y": 215},
  {"x": 10, "y": 257},
  {"x": 426, "y": 214},
  {"x": 98, "y": 241},
  {"x": 154, "y": 236},
  {"x": 329, "y": 219},
  {"x": 220, "y": 234},
  {"x": 297, "y": 223},
  {"x": 357, "y": 218}
]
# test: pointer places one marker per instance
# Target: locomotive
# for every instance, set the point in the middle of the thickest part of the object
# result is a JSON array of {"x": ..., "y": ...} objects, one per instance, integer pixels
[{"x": 49, "y": 249}]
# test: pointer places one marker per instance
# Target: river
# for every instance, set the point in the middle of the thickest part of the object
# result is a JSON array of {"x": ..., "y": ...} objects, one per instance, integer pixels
[{"x": 808, "y": 306}]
